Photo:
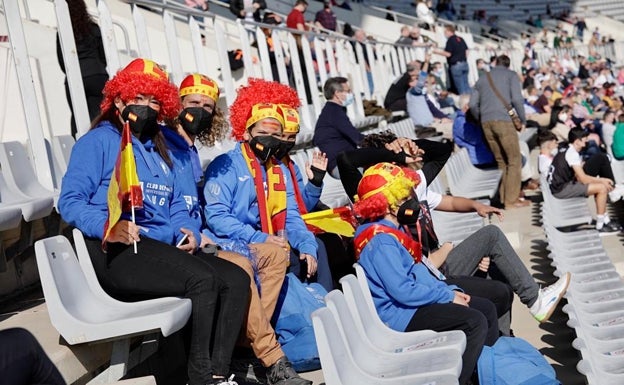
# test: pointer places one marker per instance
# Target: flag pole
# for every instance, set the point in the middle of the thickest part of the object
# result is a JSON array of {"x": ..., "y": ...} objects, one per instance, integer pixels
[{"x": 133, "y": 221}]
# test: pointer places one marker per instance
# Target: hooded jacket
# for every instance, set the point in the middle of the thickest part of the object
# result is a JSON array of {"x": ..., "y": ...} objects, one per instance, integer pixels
[{"x": 83, "y": 198}]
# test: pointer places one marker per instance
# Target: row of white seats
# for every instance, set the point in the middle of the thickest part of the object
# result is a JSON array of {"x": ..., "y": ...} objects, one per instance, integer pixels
[
  {"x": 356, "y": 347},
  {"x": 596, "y": 293}
]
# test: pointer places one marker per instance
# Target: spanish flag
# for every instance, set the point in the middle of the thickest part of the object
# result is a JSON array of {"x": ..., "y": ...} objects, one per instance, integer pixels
[
  {"x": 124, "y": 190},
  {"x": 338, "y": 221}
]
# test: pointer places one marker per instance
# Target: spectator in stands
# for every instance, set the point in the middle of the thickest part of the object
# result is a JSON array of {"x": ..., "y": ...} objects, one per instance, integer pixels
[
  {"x": 618, "y": 139},
  {"x": 467, "y": 133},
  {"x": 361, "y": 39},
  {"x": 425, "y": 14},
  {"x": 23, "y": 361},
  {"x": 570, "y": 177},
  {"x": 437, "y": 71},
  {"x": 482, "y": 67},
  {"x": 395, "y": 98},
  {"x": 239, "y": 206},
  {"x": 579, "y": 27},
  {"x": 201, "y": 119},
  {"x": 91, "y": 58},
  {"x": 296, "y": 20},
  {"x": 389, "y": 15},
  {"x": 141, "y": 95},
  {"x": 456, "y": 52},
  {"x": 420, "y": 108},
  {"x": 561, "y": 122},
  {"x": 446, "y": 10},
  {"x": 498, "y": 128},
  {"x": 410, "y": 295},
  {"x": 325, "y": 18},
  {"x": 250, "y": 10},
  {"x": 405, "y": 38},
  {"x": 547, "y": 141},
  {"x": 542, "y": 104},
  {"x": 420, "y": 42}
]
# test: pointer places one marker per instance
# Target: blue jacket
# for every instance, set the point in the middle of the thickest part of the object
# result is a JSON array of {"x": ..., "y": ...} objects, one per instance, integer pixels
[
  {"x": 334, "y": 133},
  {"x": 469, "y": 135},
  {"x": 182, "y": 156},
  {"x": 398, "y": 285},
  {"x": 231, "y": 209},
  {"x": 309, "y": 192},
  {"x": 83, "y": 199}
]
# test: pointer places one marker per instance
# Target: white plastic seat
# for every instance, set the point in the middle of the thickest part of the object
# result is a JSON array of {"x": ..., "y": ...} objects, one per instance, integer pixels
[
  {"x": 467, "y": 181},
  {"x": 82, "y": 314},
  {"x": 31, "y": 208},
  {"x": 437, "y": 360},
  {"x": 369, "y": 324},
  {"x": 340, "y": 367},
  {"x": 62, "y": 145},
  {"x": 19, "y": 172},
  {"x": 10, "y": 217}
]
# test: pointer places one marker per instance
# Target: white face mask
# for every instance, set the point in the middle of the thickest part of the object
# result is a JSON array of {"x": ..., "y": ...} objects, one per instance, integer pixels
[
  {"x": 348, "y": 100},
  {"x": 554, "y": 151},
  {"x": 563, "y": 117}
]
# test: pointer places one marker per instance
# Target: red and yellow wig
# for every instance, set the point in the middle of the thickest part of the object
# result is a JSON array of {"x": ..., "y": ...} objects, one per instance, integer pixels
[
  {"x": 382, "y": 187},
  {"x": 142, "y": 76},
  {"x": 258, "y": 91}
]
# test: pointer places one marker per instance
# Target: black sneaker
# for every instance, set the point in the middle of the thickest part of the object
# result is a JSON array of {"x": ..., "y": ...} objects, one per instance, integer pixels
[
  {"x": 609, "y": 228},
  {"x": 282, "y": 373}
]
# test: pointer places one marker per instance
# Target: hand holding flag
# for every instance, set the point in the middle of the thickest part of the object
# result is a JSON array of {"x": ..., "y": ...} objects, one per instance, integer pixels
[{"x": 124, "y": 192}]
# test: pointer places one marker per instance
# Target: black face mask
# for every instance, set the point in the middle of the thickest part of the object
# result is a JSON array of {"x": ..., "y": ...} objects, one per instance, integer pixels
[
  {"x": 195, "y": 120},
  {"x": 264, "y": 146},
  {"x": 142, "y": 119},
  {"x": 284, "y": 148},
  {"x": 408, "y": 212}
]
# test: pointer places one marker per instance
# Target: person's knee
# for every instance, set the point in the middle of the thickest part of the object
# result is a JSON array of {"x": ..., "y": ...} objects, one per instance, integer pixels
[
  {"x": 19, "y": 337},
  {"x": 492, "y": 232},
  {"x": 270, "y": 257},
  {"x": 239, "y": 261}
]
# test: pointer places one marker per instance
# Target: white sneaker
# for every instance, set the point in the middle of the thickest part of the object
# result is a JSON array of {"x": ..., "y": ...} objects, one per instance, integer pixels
[
  {"x": 225, "y": 381},
  {"x": 548, "y": 298},
  {"x": 617, "y": 193}
]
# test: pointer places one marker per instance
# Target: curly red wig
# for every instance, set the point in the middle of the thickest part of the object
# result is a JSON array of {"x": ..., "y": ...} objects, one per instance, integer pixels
[
  {"x": 383, "y": 186},
  {"x": 258, "y": 91},
  {"x": 142, "y": 76}
]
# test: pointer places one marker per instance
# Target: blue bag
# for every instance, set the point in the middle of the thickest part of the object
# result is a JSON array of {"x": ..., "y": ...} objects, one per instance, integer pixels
[
  {"x": 293, "y": 324},
  {"x": 513, "y": 361}
]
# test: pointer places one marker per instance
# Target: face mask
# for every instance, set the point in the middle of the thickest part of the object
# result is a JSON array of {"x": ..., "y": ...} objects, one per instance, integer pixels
[
  {"x": 438, "y": 73},
  {"x": 194, "y": 120},
  {"x": 554, "y": 151},
  {"x": 408, "y": 212},
  {"x": 348, "y": 100},
  {"x": 284, "y": 148},
  {"x": 563, "y": 117},
  {"x": 264, "y": 146},
  {"x": 142, "y": 119}
]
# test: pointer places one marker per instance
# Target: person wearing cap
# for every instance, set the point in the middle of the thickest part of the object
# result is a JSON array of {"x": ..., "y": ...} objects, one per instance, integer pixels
[
  {"x": 141, "y": 95},
  {"x": 308, "y": 196},
  {"x": 248, "y": 195},
  {"x": 199, "y": 95},
  {"x": 408, "y": 291}
]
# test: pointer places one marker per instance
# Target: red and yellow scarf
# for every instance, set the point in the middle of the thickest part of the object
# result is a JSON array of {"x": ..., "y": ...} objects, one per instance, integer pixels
[
  {"x": 272, "y": 198},
  {"x": 411, "y": 245}
]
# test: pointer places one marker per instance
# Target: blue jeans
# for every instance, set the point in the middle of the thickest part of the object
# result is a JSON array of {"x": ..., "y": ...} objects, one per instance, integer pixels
[{"x": 459, "y": 72}]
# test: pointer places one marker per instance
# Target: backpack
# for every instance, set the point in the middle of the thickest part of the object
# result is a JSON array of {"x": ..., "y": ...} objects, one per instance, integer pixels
[
  {"x": 293, "y": 324},
  {"x": 513, "y": 361}
]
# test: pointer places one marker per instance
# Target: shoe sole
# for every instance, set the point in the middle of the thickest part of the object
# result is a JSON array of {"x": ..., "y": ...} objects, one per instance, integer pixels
[
  {"x": 604, "y": 234},
  {"x": 552, "y": 310}
]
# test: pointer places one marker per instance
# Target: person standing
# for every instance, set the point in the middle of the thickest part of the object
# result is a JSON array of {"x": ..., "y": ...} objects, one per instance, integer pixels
[
  {"x": 497, "y": 126},
  {"x": 326, "y": 18},
  {"x": 456, "y": 52},
  {"x": 91, "y": 57},
  {"x": 249, "y": 10}
]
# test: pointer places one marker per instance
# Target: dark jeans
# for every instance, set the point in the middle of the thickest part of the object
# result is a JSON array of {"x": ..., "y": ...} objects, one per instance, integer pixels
[
  {"x": 213, "y": 285},
  {"x": 349, "y": 162},
  {"x": 323, "y": 274},
  {"x": 23, "y": 361},
  {"x": 478, "y": 322}
]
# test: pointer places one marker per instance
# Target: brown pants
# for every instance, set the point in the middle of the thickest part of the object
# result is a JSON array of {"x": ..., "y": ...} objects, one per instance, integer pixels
[
  {"x": 272, "y": 263},
  {"x": 503, "y": 141}
]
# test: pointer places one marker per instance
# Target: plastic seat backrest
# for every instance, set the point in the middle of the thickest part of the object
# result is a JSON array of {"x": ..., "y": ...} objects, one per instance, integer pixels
[{"x": 19, "y": 170}]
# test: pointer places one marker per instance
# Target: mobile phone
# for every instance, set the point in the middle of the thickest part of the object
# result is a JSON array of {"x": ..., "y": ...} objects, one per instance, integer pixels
[{"x": 184, "y": 238}]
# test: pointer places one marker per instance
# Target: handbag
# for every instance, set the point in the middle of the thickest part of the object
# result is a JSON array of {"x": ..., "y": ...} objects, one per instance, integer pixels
[{"x": 513, "y": 114}]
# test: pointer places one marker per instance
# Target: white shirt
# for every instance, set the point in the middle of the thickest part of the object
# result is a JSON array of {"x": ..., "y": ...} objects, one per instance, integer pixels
[
  {"x": 543, "y": 163},
  {"x": 573, "y": 157},
  {"x": 423, "y": 193}
]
